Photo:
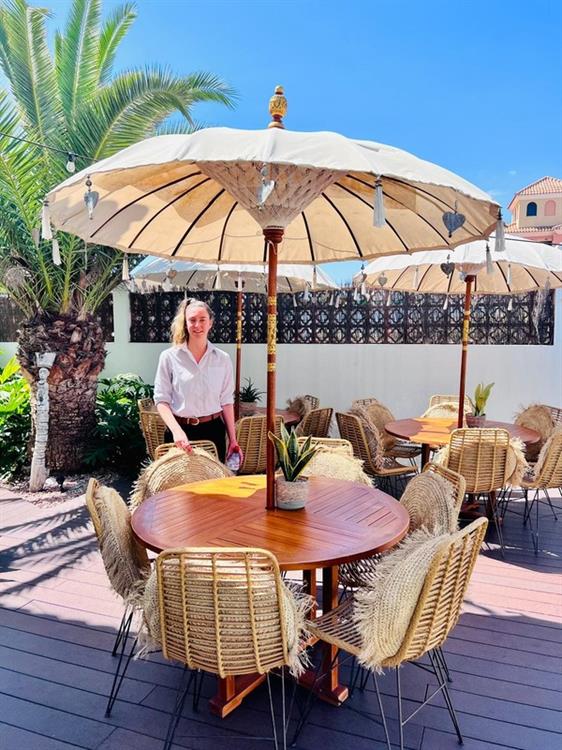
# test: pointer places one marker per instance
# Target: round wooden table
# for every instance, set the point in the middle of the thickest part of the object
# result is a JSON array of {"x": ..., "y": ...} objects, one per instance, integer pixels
[
  {"x": 290, "y": 418},
  {"x": 436, "y": 432},
  {"x": 342, "y": 521}
]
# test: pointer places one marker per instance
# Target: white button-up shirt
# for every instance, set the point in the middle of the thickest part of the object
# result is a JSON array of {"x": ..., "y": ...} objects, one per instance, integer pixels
[{"x": 194, "y": 389}]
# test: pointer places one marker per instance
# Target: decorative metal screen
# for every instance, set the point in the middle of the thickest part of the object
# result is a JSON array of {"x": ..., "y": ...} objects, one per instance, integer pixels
[
  {"x": 11, "y": 318},
  {"x": 339, "y": 318}
]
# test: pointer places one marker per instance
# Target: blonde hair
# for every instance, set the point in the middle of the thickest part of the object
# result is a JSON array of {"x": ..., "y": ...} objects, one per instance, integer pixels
[{"x": 178, "y": 328}]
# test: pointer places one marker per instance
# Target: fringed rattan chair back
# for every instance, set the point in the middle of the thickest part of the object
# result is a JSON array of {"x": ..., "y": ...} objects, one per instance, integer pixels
[
  {"x": 363, "y": 402},
  {"x": 222, "y": 610},
  {"x": 439, "y": 398},
  {"x": 207, "y": 445},
  {"x": 548, "y": 470},
  {"x": 480, "y": 456},
  {"x": 316, "y": 423},
  {"x": 453, "y": 477},
  {"x": 556, "y": 414},
  {"x": 251, "y": 434},
  {"x": 445, "y": 410},
  {"x": 431, "y": 503},
  {"x": 152, "y": 425},
  {"x": 125, "y": 561},
  {"x": 540, "y": 418},
  {"x": 330, "y": 445},
  {"x": 439, "y": 605},
  {"x": 174, "y": 468},
  {"x": 351, "y": 429}
]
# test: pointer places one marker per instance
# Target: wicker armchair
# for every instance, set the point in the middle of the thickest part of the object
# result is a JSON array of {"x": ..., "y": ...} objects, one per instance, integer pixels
[
  {"x": 314, "y": 401},
  {"x": 152, "y": 425},
  {"x": 316, "y": 423},
  {"x": 226, "y": 611},
  {"x": 388, "y": 473},
  {"x": 251, "y": 434},
  {"x": 436, "y": 613},
  {"x": 542, "y": 419},
  {"x": 440, "y": 399},
  {"x": 174, "y": 468},
  {"x": 380, "y": 415},
  {"x": 456, "y": 479},
  {"x": 546, "y": 475},
  {"x": 206, "y": 445},
  {"x": 125, "y": 561},
  {"x": 331, "y": 445}
]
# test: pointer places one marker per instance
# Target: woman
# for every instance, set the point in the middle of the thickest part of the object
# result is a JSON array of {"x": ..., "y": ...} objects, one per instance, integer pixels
[{"x": 194, "y": 383}]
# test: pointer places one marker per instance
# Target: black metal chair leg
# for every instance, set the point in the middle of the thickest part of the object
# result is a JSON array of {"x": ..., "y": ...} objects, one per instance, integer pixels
[
  {"x": 441, "y": 656},
  {"x": 198, "y": 680},
  {"x": 400, "y": 714},
  {"x": 272, "y": 714},
  {"x": 118, "y": 676},
  {"x": 498, "y": 527},
  {"x": 444, "y": 688},
  {"x": 119, "y": 635},
  {"x": 550, "y": 505},
  {"x": 177, "y": 712},
  {"x": 381, "y": 709}
]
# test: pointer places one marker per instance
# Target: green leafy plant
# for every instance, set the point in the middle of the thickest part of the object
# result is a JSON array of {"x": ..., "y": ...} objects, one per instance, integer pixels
[
  {"x": 292, "y": 457},
  {"x": 15, "y": 421},
  {"x": 249, "y": 393},
  {"x": 481, "y": 396},
  {"x": 117, "y": 441}
]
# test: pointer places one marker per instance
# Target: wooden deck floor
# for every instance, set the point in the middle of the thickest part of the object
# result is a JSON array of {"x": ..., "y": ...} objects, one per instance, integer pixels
[{"x": 58, "y": 621}]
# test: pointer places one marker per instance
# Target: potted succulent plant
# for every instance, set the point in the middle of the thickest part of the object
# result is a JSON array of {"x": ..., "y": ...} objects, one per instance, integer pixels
[
  {"x": 291, "y": 489},
  {"x": 249, "y": 397},
  {"x": 481, "y": 396}
]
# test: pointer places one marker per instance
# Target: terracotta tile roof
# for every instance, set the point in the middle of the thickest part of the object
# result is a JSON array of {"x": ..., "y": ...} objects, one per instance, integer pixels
[
  {"x": 544, "y": 185},
  {"x": 513, "y": 228}
]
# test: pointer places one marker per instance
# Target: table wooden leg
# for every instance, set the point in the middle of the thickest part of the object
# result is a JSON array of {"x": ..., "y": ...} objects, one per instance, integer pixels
[
  {"x": 232, "y": 691},
  {"x": 425, "y": 454}
]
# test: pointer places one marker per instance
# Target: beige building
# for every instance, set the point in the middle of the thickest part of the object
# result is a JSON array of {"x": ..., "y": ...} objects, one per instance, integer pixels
[{"x": 537, "y": 211}]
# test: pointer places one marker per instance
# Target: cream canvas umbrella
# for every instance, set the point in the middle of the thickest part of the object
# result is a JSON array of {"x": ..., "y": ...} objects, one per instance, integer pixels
[
  {"x": 474, "y": 268},
  {"x": 215, "y": 194},
  {"x": 154, "y": 273}
]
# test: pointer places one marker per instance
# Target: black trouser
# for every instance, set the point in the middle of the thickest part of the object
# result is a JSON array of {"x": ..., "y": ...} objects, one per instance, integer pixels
[{"x": 213, "y": 430}]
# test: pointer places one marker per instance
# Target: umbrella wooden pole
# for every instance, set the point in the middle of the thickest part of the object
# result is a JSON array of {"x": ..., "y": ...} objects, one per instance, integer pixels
[
  {"x": 273, "y": 236},
  {"x": 239, "y": 300},
  {"x": 464, "y": 351}
]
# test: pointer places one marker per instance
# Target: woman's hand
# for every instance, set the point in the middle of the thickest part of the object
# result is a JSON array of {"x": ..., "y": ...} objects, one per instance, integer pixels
[
  {"x": 181, "y": 441},
  {"x": 233, "y": 447}
]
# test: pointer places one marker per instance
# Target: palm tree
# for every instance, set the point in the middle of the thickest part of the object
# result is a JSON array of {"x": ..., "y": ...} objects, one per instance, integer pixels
[{"x": 72, "y": 101}]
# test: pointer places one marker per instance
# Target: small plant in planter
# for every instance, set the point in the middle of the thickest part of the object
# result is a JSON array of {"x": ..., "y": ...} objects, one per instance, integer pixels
[
  {"x": 291, "y": 487},
  {"x": 249, "y": 397},
  {"x": 481, "y": 396}
]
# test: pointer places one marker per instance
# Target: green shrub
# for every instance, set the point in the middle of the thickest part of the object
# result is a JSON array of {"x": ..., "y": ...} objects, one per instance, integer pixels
[
  {"x": 15, "y": 421},
  {"x": 117, "y": 441}
]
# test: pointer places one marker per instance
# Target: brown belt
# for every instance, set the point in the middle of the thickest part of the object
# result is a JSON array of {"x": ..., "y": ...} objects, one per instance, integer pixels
[{"x": 197, "y": 420}]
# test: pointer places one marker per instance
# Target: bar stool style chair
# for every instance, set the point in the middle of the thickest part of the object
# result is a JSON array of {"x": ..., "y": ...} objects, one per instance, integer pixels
[
  {"x": 174, "y": 468},
  {"x": 434, "y": 615},
  {"x": 251, "y": 434},
  {"x": 207, "y": 445},
  {"x": 151, "y": 424},
  {"x": 227, "y": 611},
  {"x": 380, "y": 415},
  {"x": 388, "y": 474},
  {"x": 125, "y": 561},
  {"x": 316, "y": 423},
  {"x": 545, "y": 475}
]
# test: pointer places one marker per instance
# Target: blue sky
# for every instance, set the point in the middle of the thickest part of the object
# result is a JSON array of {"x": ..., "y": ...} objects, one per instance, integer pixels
[{"x": 474, "y": 86}]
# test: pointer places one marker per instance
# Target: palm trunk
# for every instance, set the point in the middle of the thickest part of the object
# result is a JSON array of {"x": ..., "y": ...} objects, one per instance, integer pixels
[{"x": 80, "y": 349}]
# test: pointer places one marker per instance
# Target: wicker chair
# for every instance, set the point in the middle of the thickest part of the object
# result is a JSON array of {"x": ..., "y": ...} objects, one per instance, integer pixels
[
  {"x": 314, "y": 401},
  {"x": 358, "y": 574},
  {"x": 387, "y": 473},
  {"x": 174, "y": 468},
  {"x": 556, "y": 414},
  {"x": 380, "y": 415},
  {"x": 546, "y": 475},
  {"x": 226, "y": 611},
  {"x": 436, "y": 613},
  {"x": 331, "y": 445},
  {"x": 125, "y": 561},
  {"x": 206, "y": 445},
  {"x": 251, "y": 434},
  {"x": 440, "y": 399},
  {"x": 152, "y": 425},
  {"x": 316, "y": 423},
  {"x": 540, "y": 418}
]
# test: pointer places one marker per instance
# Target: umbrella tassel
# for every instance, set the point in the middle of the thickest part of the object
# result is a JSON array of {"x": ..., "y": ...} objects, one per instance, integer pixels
[
  {"x": 378, "y": 217},
  {"x": 446, "y": 303},
  {"x": 56, "y": 252},
  {"x": 125, "y": 269},
  {"x": 416, "y": 278},
  {"x": 46, "y": 231},
  {"x": 218, "y": 281},
  {"x": 510, "y": 304},
  {"x": 500, "y": 234},
  {"x": 489, "y": 264},
  {"x": 508, "y": 275},
  {"x": 388, "y": 298},
  {"x": 295, "y": 303}
]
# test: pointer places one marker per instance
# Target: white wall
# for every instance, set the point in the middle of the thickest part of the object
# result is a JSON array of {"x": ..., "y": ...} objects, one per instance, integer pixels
[{"x": 402, "y": 376}]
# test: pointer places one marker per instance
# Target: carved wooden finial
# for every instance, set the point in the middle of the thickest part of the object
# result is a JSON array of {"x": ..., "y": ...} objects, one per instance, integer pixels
[{"x": 277, "y": 108}]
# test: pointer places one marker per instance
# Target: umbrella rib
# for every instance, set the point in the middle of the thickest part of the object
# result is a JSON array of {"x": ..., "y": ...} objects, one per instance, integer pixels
[
  {"x": 424, "y": 274},
  {"x": 309, "y": 237},
  {"x": 357, "y": 179},
  {"x": 224, "y": 228},
  {"x": 504, "y": 278},
  {"x": 342, "y": 217},
  {"x": 531, "y": 275},
  {"x": 402, "y": 272},
  {"x": 161, "y": 210},
  {"x": 194, "y": 222},
  {"x": 150, "y": 192}
]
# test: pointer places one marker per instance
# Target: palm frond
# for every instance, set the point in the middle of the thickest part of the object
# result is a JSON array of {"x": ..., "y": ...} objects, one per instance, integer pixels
[{"x": 113, "y": 31}]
